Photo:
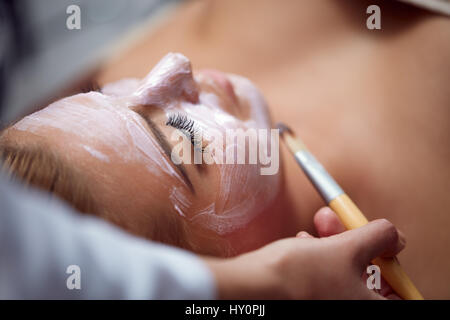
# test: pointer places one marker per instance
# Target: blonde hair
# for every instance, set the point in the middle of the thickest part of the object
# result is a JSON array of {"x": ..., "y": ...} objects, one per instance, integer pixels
[{"x": 37, "y": 167}]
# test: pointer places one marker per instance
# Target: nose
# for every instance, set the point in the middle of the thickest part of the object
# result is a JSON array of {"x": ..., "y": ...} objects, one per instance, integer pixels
[
  {"x": 222, "y": 81},
  {"x": 170, "y": 79}
]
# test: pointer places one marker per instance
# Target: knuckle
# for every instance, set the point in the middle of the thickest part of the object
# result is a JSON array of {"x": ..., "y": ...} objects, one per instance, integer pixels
[{"x": 388, "y": 229}]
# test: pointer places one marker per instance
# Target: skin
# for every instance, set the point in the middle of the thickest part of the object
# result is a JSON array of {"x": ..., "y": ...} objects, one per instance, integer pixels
[{"x": 373, "y": 106}]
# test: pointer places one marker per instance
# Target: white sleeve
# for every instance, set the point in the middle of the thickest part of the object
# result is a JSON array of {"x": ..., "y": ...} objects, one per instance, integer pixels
[{"x": 40, "y": 239}]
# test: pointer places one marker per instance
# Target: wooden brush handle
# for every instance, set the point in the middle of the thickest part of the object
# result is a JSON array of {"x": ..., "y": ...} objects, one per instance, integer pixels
[{"x": 391, "y": 270}]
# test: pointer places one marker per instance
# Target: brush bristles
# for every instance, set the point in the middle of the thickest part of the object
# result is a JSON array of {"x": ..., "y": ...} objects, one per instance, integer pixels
[{"x": 294, "y": 144}]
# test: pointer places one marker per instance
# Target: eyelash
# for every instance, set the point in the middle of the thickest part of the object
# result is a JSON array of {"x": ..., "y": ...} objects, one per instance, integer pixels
[{"x": 181, "y": 122}]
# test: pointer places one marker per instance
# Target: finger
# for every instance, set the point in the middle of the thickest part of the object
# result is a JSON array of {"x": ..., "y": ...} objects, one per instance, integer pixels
[
  {"x": 402, "y": 236},
  {"x": 385, "y": 289},
  {"x": 327, "y": 222},
  {"x": 304, "y": 234},
  {"x": 374, "y": 295},
  {"x": 377, "y": 238},
  {"x": 393, "y": 296},
  {"x": 368, "y": 294}
]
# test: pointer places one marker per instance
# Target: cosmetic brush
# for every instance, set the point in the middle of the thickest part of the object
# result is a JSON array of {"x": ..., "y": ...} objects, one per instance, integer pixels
[{"x": 348, "y": 212}]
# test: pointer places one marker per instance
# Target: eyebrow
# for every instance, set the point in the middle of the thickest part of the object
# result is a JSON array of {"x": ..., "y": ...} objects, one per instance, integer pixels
[{"x": 165, "y": 145}]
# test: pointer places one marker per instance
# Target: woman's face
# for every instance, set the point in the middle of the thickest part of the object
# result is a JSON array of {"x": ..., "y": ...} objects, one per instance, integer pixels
[{"x": 135, "y": 139}]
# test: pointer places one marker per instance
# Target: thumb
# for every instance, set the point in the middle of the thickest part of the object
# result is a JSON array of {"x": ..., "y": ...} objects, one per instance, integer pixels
[{"x": 377, "y": 238}]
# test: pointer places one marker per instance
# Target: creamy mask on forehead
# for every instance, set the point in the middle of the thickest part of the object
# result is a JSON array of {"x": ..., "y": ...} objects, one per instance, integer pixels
[{"x": 107, "y": 129}]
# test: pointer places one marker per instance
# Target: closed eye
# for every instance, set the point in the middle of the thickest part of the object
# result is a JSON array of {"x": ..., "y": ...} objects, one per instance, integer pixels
[
  {"x": 188, "y": 127},
  {"x": 162, "y": 140}
]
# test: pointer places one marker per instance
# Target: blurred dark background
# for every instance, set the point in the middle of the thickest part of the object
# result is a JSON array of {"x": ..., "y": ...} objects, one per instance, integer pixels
[{"x": 39, "y": 55}]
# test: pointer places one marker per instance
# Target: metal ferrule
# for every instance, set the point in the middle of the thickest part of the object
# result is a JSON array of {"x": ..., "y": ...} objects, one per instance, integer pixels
[{"x": 320, "y": 178}]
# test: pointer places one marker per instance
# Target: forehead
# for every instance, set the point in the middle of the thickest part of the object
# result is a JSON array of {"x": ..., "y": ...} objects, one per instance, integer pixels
[
  {"x": 99, "y": 126},
  {"x": 85, "y": 118}
]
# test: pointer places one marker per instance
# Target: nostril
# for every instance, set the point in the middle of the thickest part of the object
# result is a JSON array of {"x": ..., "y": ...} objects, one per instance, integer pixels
[
  {"x": 222, "y": 81},
  {"x": 190, "y": 92}
]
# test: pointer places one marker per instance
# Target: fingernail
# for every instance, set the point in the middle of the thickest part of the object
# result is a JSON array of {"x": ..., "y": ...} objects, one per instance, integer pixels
[
  {"x": 401, "y": 237},
  {"x": 303, "y": 234},
  {"x": 401, "y": 244}
]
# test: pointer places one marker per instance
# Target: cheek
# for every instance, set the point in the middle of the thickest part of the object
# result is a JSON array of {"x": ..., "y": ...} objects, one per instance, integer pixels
[
  {"x": 236, "y": 195},
  {"x": 229, "y": 196},
  {"x": 251, "y": 100},
  {"x": 138, "y": 201}
]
